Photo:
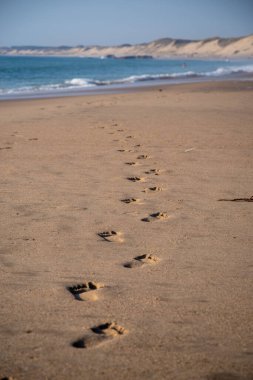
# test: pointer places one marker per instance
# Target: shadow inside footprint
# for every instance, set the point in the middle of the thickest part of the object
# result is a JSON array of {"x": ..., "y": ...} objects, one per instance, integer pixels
[
  {"x": 85, "y": 291},
  {"x": 155, "y": 216},
  {"x": 6, "y": 147},
  {"x": 227, "y": 376},
  {"x": 131, "y": 163},
  {"x": 138, "y": 261},
  {"x": 100, "y": 334},
  {"x": 153, "y": 189},
  {"x": 238, "y": 199},
  {"x": 130, "y": 200},
  {"x": 136, "y": 179},
  {"x": 153, "y": 171},
  {"x": 143, "y": 157},
  {"x": 111, "y": 236}
]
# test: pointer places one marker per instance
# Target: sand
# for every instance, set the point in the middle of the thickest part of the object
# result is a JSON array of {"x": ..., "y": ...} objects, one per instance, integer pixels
[{"x": 156, "y": 287}]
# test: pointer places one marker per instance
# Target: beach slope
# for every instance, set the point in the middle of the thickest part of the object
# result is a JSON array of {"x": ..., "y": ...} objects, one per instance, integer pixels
[{"x": 126, "y": 235}]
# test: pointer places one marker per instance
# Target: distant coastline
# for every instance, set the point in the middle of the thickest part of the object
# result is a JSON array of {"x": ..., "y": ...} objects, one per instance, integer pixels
[{"x": 216, "y": 47}]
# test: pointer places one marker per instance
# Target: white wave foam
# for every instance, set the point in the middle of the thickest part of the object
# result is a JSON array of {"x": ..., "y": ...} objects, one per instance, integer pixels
[
  {"x": 247, "y": 69},
  {"x": 78, "y": 82},
  {"x": 142, "y": 78},
  {"x": 57, "y": 87}
]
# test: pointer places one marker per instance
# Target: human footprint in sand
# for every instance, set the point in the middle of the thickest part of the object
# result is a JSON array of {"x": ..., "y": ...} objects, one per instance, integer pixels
[
  {"x": 99, "y": 335},
  {"x": 112, "y": 236},
  {"x": 155, "y": 216},
  {"x": 86, "y": 291},
  {"x": 139, "y": 261}
]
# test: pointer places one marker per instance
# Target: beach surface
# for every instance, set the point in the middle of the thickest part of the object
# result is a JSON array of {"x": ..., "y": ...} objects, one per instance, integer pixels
[{"x": 126, "y": 235}]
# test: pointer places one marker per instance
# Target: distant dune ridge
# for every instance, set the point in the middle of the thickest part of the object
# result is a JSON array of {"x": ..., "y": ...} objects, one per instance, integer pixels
[{"x": 241, "y": 47}]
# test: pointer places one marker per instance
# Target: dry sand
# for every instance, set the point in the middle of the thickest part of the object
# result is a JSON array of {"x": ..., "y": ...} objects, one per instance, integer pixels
[{"x": 155, "y": 287}]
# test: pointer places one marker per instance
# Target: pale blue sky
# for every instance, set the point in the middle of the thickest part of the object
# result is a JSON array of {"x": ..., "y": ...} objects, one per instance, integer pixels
[{"x": 106, "y": 22}]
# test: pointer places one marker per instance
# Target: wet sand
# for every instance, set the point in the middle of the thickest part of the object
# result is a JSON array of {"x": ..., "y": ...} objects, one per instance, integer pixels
[{"x": 126, "y": 235}]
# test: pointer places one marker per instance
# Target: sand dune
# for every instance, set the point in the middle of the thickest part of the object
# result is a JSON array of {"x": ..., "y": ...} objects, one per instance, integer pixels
[{"x": 167, "y": 47}]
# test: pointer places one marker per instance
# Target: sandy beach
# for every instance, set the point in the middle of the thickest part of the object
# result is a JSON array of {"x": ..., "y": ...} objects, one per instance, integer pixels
[{"x": 126, "y": 235}]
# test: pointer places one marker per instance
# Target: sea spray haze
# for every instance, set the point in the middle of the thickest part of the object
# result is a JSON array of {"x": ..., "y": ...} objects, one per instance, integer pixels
[{"x": 40, "y": 76}]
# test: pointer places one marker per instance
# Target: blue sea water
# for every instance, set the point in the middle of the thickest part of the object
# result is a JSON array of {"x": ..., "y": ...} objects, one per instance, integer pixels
[{"x": 40, "y": 76}]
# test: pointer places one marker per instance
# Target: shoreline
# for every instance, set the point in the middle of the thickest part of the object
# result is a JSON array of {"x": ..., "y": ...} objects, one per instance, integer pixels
[{"x": 127, "y": 88}]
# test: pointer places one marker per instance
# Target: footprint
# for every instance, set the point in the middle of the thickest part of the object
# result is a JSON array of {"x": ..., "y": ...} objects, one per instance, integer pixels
[
  {"x": 143, "y": 157},
  {"x": 153, "y": 171},
  {"x": 136, "y": 179},
  {"x": 129, "y": 137},
  {"x": 100, "y": 334},
  {"x": 125, "y": 150},
  {"x": 141, "y": 260},
  {"x": 238, "y": 199},
  {"x": 33, "y": 139},
  {"x": 227, "y": 376},
  {"x": 137, "y": 145},
  {"x": 120, "y": 130},
  {"x": 132, "y": 163},
  {"x": 130, "y": 200},
  {"x": 111, "y": 236},
  {"x": 6, "y": 147},
  {"x": 155, "y": 216},
  {"x": 86, "y": 291},
  {"x": 153, "y": 189}
]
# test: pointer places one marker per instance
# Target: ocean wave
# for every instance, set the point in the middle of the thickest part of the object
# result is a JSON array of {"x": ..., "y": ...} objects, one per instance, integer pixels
[
  {"x": 246, "y": 69},
  {"x": 221, "y": 71},
  {"x": 84, "y": 83},
  {"x": 77, "y": 82},
  {"x": 45, "y": 88}
]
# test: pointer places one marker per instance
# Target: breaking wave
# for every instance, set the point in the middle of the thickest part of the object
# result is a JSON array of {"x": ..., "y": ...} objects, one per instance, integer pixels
[
  {"x": 247, "y": 69},
  {"x": 84, "y": 83}
]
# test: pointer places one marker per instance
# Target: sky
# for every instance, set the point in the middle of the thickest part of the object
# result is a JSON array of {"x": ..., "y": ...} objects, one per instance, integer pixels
[{"x": 115, "y": 22}]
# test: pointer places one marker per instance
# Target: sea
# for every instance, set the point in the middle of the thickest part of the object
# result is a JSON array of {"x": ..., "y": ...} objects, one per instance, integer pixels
[{"x": 28, "y": 77}]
